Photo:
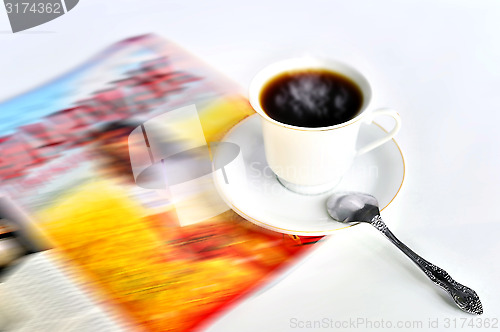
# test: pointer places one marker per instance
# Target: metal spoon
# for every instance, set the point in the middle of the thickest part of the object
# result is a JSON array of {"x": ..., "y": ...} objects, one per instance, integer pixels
[{"x": 359, "y": 207}]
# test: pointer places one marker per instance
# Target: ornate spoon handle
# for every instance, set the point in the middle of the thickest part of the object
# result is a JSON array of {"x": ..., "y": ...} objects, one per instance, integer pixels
[{"x": 465, "y": 298}]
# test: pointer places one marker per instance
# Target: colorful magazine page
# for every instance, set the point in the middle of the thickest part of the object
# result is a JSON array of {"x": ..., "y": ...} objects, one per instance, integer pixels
[{"x": 67, "y": 163}]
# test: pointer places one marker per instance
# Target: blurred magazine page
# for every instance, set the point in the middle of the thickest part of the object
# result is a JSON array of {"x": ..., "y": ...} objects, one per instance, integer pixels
[
  {"x": 39, "y": 296},
  {"x": 66, "y": 161},
  {"x": 66, "y": 131},
  {"x": 19, "y": 235}
]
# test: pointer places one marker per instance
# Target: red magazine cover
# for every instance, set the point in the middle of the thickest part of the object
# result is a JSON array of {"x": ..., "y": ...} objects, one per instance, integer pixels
[{"x": 66, "y": 163}]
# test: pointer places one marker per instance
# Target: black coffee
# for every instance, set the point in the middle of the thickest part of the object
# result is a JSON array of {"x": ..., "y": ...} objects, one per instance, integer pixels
[{"x": 311, "y": 98}]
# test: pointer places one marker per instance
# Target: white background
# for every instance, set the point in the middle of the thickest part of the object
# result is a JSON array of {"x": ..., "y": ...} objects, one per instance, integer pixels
[{"x": 436, "y": 62}]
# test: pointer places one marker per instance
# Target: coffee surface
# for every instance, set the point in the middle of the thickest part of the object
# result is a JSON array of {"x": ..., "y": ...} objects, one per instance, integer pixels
[{"x": 311, "y": 98}]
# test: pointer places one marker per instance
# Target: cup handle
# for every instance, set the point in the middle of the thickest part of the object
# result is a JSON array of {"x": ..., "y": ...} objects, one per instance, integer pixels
[{"x": 383, "y": 111}]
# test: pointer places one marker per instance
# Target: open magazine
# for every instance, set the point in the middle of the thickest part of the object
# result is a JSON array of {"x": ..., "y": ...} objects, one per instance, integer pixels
[{"x": 118, "y": 246}]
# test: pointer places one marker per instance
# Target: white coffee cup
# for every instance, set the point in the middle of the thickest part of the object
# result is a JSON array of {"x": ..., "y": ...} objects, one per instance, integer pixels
[{"x": 313, "y": 160}]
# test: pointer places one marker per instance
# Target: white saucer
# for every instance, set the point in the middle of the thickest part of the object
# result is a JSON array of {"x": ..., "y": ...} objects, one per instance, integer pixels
[{"x": 254, "y": 192}]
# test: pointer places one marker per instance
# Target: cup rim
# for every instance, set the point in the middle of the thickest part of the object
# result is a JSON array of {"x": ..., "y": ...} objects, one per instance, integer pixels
[{"x": 308, "y": 62}]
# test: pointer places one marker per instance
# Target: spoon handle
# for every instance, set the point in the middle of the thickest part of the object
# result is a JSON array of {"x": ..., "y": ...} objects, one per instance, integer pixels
[{"x": 465, "y": 298}]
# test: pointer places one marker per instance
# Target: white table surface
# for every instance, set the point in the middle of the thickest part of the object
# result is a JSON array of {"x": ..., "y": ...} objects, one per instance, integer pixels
[{"x": 436, "y": 62}]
